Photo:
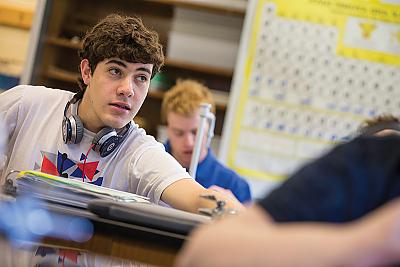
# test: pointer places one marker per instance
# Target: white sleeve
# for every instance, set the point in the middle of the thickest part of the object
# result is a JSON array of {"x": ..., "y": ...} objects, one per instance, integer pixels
[
  {"x": 10, "y": 110},
  {"x": 10, "y": 102},
  {"x": 157, "y": 170},
  {"x": 3, "y": 145}
]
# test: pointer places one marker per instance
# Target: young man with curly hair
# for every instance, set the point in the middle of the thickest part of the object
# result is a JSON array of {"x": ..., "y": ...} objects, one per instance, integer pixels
[
  {"x": 90, "y": 135},
  {"x": 180, "y": 111}
]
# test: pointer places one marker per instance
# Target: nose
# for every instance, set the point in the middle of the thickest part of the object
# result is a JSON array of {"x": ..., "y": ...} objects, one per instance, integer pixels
[
  {"x": 126, "y": 87},
  {"x": 188, "y": 140}
]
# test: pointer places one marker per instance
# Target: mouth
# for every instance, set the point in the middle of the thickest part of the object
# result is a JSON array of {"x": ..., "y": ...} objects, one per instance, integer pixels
[
  {"x": 188, "y": 153},
  {"x": 121, "y": 105}
]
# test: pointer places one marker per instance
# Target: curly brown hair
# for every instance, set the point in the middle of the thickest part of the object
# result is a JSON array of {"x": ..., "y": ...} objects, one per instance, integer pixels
[
  {"x": 185, "y": 99},
  {"x": 124, "y": 37}
]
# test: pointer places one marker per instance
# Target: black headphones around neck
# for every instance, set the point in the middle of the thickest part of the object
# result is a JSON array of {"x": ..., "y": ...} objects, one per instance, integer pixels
[{"x": 104, "y": 142}]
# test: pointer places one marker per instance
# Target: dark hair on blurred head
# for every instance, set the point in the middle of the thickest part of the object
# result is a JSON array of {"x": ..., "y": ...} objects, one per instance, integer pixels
[{"x": 379, "y": 124}]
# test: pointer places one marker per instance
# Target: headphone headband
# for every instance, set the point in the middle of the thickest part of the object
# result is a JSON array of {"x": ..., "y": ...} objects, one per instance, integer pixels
[{"x": 77, "y": 96}]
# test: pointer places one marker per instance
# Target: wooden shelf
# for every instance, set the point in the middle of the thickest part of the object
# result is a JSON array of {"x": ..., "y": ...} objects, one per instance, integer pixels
[
  {"x": 16, "y": 14},
  {"x": 221, "y": 98},
  {"x": 236, "y": 7},
  {"x": 156, "y": 94},
  {"x": 62, "y": 75},
  {"x": 198, "y": 67},
  {"x": 63, "y": 42}
]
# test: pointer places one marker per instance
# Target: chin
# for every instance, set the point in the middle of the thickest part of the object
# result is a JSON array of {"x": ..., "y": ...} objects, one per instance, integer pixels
[
  {"x": 117, "y": 124},
  {"x": 186, "y": 165}
]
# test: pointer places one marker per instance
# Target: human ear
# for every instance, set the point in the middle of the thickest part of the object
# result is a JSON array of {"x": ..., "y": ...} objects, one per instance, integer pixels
[{"x": 85, "y": 71}]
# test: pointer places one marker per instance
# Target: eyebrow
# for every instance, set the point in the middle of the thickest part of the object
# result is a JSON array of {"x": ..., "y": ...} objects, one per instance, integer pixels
[
  {"x": 145, "y": 70},
  {"x": 183, "y": 130},
  {"x": 122, "y": 64},
  {"x": 176, "y": 129}
]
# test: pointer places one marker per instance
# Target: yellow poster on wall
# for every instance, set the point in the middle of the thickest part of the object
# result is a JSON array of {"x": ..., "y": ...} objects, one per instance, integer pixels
[{"x": 308, "y": 73}]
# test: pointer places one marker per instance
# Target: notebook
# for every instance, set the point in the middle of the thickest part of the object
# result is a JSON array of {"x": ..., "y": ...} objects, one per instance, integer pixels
[{"x": 149, "y": 215}]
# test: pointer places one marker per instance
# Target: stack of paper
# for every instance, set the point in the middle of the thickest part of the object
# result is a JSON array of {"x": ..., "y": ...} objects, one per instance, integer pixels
[{"x": 68, "y": 191}]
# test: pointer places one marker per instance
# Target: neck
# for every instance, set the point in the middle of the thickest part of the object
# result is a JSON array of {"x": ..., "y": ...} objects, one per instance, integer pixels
[{"x": 85, "y": 116}]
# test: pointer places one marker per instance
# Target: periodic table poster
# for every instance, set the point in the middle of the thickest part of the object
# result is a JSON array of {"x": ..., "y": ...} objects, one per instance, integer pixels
[{"x": 308, "y": 73}]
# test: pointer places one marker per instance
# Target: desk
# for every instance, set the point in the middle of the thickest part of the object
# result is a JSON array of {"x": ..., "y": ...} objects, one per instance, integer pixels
[
  {"x": 113, "y": 239},
  {"x": 122, "y": 240}
]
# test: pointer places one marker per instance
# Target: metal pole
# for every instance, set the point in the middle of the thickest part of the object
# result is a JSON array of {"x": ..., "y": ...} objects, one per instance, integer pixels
[{"x": 205, "y": 115}]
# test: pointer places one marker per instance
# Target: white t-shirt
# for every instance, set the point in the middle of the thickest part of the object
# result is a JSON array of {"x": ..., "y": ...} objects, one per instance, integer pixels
[{"x": 33, "y": 117}]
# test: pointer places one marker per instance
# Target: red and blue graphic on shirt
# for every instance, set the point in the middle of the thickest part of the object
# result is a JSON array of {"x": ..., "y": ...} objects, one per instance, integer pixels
[
  {"x": 48, "y": 256},
  {"x": 59, "y": 164}
]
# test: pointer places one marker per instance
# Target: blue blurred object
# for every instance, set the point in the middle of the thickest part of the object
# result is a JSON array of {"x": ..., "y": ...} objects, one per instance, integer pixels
[
  {"x": 25, "y": 221},
  {"x": 7, "y": 82}
]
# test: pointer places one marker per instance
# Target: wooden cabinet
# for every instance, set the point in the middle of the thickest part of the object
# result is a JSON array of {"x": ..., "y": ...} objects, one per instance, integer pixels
[{"x": 55, "y": 61}]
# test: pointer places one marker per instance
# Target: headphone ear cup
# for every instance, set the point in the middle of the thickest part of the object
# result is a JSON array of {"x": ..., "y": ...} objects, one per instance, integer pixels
[
  {"x": 101, "y": 141},
  {"x": 76, "y": 129},
  {"x": 109, "y": 146},
  {"x": 107, "y": 140},
  {"x": 66, "y": 130}
]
